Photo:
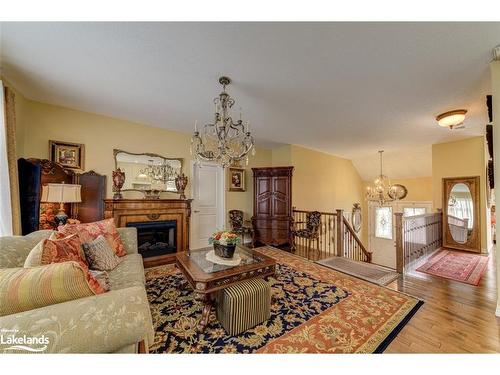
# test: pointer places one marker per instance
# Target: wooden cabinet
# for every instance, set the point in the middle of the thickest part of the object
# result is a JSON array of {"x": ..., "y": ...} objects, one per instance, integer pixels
[
  {"x": 272, "y": 210},
  {"x": 34, "y": 173}
]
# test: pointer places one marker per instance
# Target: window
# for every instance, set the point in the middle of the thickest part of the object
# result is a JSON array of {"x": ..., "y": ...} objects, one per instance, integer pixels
[
  {"x": 413, "y": 211},
  {"x": 383, "y": 222}
]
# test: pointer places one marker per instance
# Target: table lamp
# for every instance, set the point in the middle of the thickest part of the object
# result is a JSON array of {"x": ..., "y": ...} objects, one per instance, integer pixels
[{"x": 61, "y": 193}]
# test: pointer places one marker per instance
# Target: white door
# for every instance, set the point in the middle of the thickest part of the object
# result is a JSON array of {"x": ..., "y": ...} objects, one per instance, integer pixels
[
  {"x": 381, "y": 235},
  {"x": 207, "y": 214},
  {"x": 381, "y": 228}
]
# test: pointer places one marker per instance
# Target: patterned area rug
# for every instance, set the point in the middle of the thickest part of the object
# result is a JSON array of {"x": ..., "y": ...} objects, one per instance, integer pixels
[
  {"x": 366, "y": 271},
  {"x": 315, "y": 310},
  {"x": 456, "y": 265}
]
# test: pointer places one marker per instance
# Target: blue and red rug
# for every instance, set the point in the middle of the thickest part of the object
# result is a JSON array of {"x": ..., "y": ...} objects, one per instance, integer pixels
[{"x": 315, "y": 310}]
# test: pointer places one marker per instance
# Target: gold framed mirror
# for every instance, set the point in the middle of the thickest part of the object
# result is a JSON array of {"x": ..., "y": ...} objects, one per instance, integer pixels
[
  {"x": 146, "y": 171},
  {"x": 461, "y": 218}
]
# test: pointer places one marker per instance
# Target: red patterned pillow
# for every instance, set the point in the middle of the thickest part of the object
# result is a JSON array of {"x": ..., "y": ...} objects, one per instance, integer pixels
[
  {"x": 53, "y": 250},
  {"x": 88, "y": 232},
  {"x": 67, "y": 249}
]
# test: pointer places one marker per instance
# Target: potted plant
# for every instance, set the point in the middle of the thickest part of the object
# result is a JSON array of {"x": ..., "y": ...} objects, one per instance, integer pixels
[{"x": 224, "y": 243}]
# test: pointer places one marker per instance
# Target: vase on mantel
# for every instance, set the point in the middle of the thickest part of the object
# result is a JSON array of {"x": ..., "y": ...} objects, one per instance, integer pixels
[
  {"x": 181, "y": 183},
  {"x": 118, "y": 181}
]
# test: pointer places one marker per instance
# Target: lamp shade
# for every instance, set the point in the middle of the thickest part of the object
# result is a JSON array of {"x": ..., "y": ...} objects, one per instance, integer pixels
[{"x": 61, "y": 193}]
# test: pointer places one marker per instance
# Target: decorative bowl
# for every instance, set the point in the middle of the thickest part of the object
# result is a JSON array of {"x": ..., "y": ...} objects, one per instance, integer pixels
[{"x": 224, "y": 251}]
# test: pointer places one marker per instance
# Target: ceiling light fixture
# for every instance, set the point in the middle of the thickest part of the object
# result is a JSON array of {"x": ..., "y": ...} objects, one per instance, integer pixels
[
  {"x": 224, "y": 141},
  {"x": 451, "y": 119}
]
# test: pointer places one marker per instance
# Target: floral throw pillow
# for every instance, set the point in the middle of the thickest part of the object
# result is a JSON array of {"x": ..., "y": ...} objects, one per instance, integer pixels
[
  {"x": 88, "y": 232},
  {"x": 52, "y": 250},
  {"x": 100, "y": 256}
]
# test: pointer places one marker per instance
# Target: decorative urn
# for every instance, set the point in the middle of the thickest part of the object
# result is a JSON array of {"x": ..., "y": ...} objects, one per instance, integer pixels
[
  {"x": 181, "y": 183},
  {"x": 118, "y": 181}
]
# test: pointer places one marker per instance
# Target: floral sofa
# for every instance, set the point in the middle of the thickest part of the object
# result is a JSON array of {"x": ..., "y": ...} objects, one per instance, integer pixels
[{"x": 115, "y": 321}]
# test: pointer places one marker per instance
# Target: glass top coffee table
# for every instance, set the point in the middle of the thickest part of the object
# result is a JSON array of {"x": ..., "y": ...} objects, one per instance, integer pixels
[{"x": 207, "y": 277}]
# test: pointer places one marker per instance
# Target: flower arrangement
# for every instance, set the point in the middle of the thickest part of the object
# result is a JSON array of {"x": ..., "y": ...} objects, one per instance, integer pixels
[{"x": 224, "y": 238}]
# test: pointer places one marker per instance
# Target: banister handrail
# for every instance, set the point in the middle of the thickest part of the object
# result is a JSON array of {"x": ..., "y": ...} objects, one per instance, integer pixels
[{"x": 350, "y": 229}]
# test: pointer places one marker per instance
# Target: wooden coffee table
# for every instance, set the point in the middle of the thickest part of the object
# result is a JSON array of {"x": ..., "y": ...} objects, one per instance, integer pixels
[{"x": 206, "y": 277}]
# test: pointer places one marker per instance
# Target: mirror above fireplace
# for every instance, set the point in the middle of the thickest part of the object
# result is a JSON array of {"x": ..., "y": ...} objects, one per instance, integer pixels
[{"x": 147, "y": 172}]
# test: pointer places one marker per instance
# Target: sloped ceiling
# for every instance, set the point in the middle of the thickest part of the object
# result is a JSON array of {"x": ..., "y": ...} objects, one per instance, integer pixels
[{"x": 348, "y": 89}]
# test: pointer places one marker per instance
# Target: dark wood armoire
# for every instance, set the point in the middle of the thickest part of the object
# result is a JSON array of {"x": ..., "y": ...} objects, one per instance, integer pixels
[{"x": 272, "y": 207}]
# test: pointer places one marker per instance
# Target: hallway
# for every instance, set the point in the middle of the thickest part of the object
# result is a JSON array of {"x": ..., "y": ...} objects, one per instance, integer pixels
[{"x": 455, "y": 318}]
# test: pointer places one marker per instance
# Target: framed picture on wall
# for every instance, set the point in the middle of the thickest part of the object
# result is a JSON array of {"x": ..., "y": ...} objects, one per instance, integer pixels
[
  {"x": 69, "y": 155},
  {"x": 236, "y": 179}
]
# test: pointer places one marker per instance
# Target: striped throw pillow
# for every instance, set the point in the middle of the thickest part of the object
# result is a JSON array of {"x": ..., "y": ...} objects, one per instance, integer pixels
[
  {"x": 23, "y": 289},
  {"x": 100, "y": 256}
]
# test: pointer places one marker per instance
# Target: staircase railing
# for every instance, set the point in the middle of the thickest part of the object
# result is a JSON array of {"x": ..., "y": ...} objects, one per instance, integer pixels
[
  {"x": 327, "y": 232},
  {"x": 353, "y": 247},
  {"x": 417, "y": 237},
  {"x": 336, "y": 237}
]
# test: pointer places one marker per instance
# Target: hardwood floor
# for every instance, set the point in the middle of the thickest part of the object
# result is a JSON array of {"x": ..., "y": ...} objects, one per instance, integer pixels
[{"x": 455, "y": 318}]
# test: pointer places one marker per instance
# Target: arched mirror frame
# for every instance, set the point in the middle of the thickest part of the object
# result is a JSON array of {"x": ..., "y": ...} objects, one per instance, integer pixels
[{"x": 474, "y": 241}]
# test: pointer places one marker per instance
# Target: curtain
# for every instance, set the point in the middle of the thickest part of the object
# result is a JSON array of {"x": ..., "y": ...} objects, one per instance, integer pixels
[{"x": 10, "y": 217}]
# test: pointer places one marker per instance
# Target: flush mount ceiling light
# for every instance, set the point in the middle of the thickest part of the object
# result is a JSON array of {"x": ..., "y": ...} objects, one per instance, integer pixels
[{"x": 451, "y": 119}]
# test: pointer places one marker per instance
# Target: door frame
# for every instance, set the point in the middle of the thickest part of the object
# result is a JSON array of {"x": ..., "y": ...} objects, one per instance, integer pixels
[{"x": 221, "y": 195}]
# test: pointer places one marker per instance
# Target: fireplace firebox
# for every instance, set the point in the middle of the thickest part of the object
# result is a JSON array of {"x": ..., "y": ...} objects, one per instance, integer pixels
[{"x": 156, "y": 238}]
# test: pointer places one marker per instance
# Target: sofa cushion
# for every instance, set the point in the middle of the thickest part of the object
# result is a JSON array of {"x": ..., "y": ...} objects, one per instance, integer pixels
[
  {"x": 15, "y": 249},
  {"x": 130, "y": 272},
  {"x": 24, "y": 289},
  {"x": 52, "y": 250},
  {"x": 90, "y": 231},
  {"x": 100, "y": 256}
]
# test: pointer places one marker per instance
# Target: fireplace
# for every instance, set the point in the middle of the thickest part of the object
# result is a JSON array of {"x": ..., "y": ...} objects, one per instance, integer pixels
[
  {"x": 164, "y": 223},
  {"x": 156, "y": 238}
]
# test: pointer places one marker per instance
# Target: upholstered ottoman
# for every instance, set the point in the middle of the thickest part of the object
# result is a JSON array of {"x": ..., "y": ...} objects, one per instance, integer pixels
[{"x": 244, "y": 305}]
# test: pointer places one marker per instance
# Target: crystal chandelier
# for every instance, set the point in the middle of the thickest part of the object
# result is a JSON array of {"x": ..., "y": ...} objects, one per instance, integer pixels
[
  {"x": 163, "y": 172},
  {"x": 224, "y": 141},
  {"x": 383, "y": 191}
]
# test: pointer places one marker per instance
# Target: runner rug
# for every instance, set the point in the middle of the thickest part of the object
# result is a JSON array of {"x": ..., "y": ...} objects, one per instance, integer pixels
[
  {"x": 456, "y": 265},
  {"x": 366, "y": 271},
  {"x": 315, "y": 310}
]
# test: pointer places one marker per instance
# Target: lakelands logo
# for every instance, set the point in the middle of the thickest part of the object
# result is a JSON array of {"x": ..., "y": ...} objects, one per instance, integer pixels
[{"x": 23, "y": 342}]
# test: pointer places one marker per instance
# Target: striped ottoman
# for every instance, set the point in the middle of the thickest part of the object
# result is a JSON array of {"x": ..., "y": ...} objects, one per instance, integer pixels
[{"x": 244, "y": 305}]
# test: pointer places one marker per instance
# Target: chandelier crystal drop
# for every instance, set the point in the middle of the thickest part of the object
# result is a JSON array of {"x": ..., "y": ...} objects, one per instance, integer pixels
[
  {"x": 223, "y": 141},
  {"x": 382, "y": 191}
]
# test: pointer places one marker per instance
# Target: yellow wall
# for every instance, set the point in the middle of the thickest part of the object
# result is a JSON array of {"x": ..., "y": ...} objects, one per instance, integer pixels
[
  {"x": 462, "y": 159},
  {"x": 419, "y": 189},
  {"x": 38, "y": 122},
  {"x": 324, "y": 182}
]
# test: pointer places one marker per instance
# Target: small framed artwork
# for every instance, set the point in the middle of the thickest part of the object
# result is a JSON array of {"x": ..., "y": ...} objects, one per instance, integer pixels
[
  {"x": 69, "y": 155},
  {"x": 236, "y": 179}
]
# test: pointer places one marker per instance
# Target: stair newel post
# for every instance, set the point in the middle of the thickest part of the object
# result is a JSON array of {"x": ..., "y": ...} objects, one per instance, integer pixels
[
  {"x": 399, "y": 242},
  {"x": 340, "y": 233}
]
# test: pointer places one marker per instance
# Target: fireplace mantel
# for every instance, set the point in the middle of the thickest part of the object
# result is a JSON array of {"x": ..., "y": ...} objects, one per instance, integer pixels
[{"x": 150, "y": 210}]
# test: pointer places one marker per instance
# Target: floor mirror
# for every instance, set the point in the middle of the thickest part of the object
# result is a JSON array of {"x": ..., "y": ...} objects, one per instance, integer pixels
[{"x": 461, "y": 220}]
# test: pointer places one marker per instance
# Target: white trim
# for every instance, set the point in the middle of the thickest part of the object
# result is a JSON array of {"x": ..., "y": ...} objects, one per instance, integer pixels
[{"x": 497, "y": 313}]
